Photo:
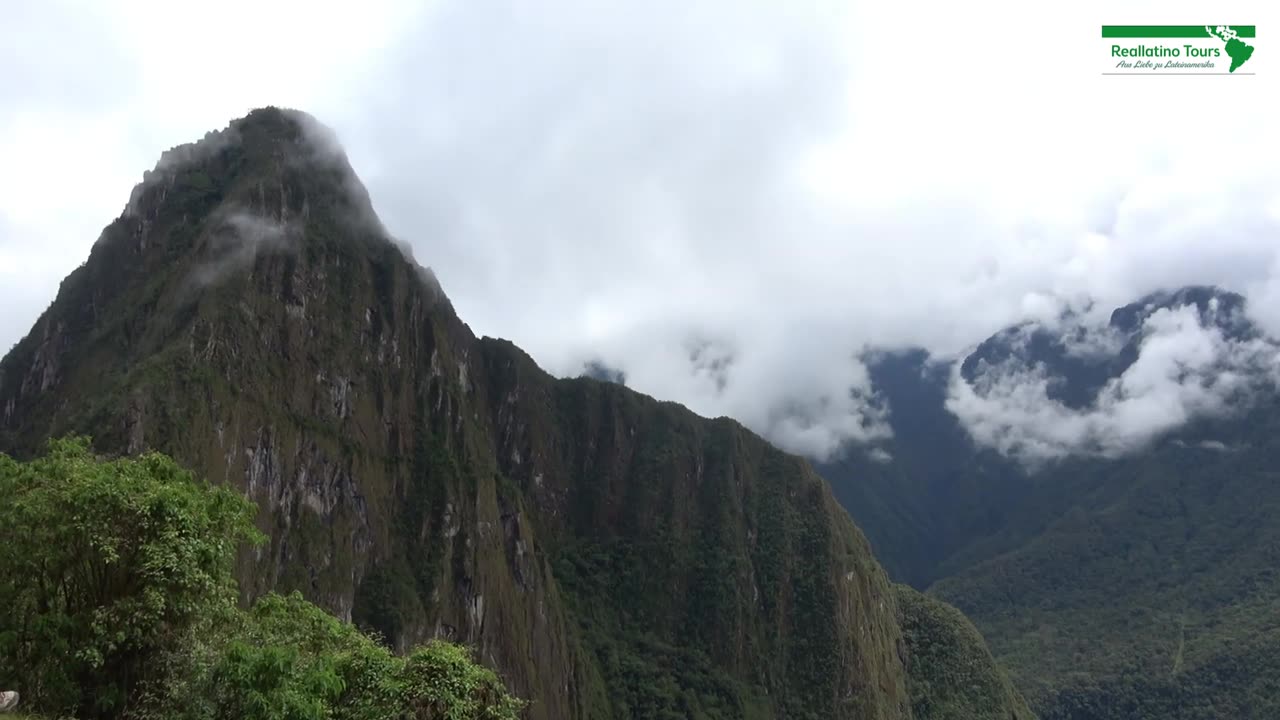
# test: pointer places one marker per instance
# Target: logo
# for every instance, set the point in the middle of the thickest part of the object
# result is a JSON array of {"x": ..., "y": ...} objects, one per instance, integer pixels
[{"x": 1178, "y": 49}]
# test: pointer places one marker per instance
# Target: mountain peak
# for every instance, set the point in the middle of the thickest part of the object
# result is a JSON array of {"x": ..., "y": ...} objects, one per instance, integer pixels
[
  {"x": 1081, "y": 356},
  {"x": 261, "y": 222},
  {"x": 264, "y": 136},
  {"x": 1215, "y": 306},
  {"x": 285, "y": 122},
  {"x": 273, "y": 167},
  {"x": 266, "y": 131}
]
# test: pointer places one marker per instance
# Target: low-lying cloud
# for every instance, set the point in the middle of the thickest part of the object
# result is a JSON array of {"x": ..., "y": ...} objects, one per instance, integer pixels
[
  {"x": 1186, "y": 368},
  {"x": 237, "y": 239}
]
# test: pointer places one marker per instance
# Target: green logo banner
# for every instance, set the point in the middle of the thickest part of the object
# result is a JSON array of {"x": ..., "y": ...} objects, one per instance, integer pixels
[{"x": 1178, "y": 49}]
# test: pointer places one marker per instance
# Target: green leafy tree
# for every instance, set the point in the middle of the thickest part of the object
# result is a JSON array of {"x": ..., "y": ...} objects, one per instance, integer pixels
[
  {"x": 104, "y": 565},
  {"x": 116, "y": 579}
]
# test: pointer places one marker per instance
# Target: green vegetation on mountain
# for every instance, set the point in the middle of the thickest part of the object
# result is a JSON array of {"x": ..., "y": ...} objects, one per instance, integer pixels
[
  {"x": 1139, "y": 587},
  {"x": 611, "y": 556},
  {"x": 951, "y": 673},
  {"x": 1154, "y": 588},
  {"x": 120, "y": 603}
]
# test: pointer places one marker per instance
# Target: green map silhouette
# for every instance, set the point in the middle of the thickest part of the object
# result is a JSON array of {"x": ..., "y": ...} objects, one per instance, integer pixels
[{"x": 1237, "y": 50}]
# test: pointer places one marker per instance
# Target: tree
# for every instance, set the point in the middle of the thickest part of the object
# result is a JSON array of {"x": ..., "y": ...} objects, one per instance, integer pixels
[
  {"x": 104, "y": 565},
  {"x": 119, "y": 601}
]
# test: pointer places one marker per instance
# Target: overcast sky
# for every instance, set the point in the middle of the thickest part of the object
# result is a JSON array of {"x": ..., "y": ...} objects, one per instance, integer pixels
[{"x": 727, "y": 200}]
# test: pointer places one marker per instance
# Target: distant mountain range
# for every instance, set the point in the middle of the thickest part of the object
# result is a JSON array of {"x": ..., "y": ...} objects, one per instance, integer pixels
[{"x": 1119, "y": 551}]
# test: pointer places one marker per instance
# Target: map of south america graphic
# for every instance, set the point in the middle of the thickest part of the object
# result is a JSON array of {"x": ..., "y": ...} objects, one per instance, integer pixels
[{"x": 1237, "y": 49}]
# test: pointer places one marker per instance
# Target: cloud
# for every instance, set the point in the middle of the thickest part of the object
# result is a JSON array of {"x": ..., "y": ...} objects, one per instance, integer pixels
[
  {"x": 880, "y": 455},
  {"x": 785, "y": 183},
  {"x": 790, "y": 182},
  {"x": 1264, "y": 309},
  {"x": 1216, "y": 446},
  {"x": 1186, "y": 368},
  {"x": 237, "y": 239},
  {"x": 599, "y": 371}
]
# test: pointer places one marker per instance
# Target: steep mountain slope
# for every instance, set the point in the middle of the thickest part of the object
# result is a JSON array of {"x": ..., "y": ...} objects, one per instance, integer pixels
[
  {"x": 611, "y": 555},
  {"x": 1136, "y": 585}
]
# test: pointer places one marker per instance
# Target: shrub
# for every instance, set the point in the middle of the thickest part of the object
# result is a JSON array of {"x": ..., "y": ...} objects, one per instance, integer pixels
[{"x": 293, "y": 661}]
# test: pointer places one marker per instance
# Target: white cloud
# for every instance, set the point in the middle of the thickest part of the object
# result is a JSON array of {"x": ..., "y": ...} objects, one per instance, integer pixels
[
  {"x": 1185, "y": 369},
  {"x": 1265, "y": 295},
  {"x": 237, "y": 239}
]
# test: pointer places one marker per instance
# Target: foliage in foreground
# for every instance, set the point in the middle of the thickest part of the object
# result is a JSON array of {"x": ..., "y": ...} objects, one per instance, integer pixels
[
  {"x": 102, "y": 565},
  {"x": 116, "y": 579}
]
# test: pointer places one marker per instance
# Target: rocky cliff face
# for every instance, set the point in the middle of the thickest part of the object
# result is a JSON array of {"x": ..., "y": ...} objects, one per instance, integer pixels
[{"x": 611, "y": 555}]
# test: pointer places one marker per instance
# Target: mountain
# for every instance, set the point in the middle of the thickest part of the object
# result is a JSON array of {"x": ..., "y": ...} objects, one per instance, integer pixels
[
  {"x": 611, "y": 555},
  {"x": 1081, "y": 360},
  {"x": 1127, "y": 580},
  {"x": 1150, "y": 589}
]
